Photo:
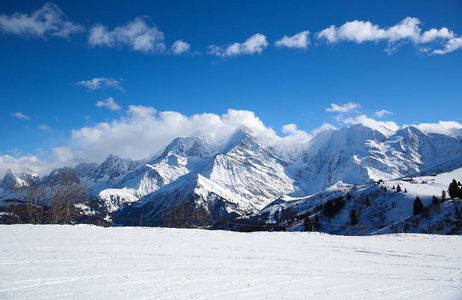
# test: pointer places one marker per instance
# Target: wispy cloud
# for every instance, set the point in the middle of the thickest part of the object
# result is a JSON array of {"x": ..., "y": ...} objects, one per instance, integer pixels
[
  {"x": 300, "y": 40},
  {"x": 254, "y": 44},
  {"x": 44, "y": 22},
  {"x": 138, "y": 35},
  {"x": 44, "y": 127},
  {"x": 101, "y": 83},
  {"x": 20, "y": 116},
  {"x": 108, "y": 103},
  {"x": 348, "y": 107},
  {"x": 381, "y": 113},
  {"x": 408, "y": 30}
]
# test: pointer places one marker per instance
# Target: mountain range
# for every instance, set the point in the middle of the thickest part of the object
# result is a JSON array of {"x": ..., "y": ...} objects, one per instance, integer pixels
[{"x": 245, "y": 174}]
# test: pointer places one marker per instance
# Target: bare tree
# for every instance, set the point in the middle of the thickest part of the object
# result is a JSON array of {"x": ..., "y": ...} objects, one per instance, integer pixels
[
  {"x": 53, "y": 201},
  {"x": 34, "y": 197},
  {"x": 185, "y": 214}
]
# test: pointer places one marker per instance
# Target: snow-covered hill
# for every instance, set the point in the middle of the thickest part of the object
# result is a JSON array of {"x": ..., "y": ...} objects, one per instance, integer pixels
[
  {"x": 385, "y": 207},
  {"x": 245, "y": 174}
]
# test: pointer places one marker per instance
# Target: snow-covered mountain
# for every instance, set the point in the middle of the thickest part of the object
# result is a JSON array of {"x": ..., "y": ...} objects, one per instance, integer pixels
[{"x": 244, "y": 174}]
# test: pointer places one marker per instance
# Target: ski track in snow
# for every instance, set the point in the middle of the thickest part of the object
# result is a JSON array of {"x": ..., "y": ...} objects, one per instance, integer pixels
[{"x": 88, "y": 262}]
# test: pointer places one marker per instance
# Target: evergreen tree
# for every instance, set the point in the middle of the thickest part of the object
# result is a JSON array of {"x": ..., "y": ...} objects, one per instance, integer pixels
[
  {"x": 308, "y": 224},
  {"x": 332, "y": 207},
  {"x": 436, "y": 204},
  {"x": 418, "y": 206},
  {"x": 398, "y": 189},
  {"x": 443, "y": 195},
  {"x": 368, "y": 202},
  {"x": 385, "y": 189},
  {"x": 453, "y": 189},
  {"x": 317, "y": 225},
  {"x": 348, "y": 196},
  {"x": 353, "y": 217},
  {"x": 405, "y": 190},
  {"x": 329, "y": 209},
  {"x": 277, "y": 217}
]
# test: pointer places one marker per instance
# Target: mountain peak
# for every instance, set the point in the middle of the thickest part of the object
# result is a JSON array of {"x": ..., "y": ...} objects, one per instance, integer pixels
[
  {"x": 11, "y": 180},
  {"x": 243, "y": 136},
  {"x": 114, "y": 166},
  {"x": 191, "y": 146},
  {"x": 113, "y": 157}
]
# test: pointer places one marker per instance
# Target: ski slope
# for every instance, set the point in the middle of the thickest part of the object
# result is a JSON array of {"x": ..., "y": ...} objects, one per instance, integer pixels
[{"x": 87, "y": 262}]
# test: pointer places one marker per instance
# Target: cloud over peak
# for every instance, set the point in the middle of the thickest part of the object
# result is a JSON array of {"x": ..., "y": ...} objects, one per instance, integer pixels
[
  {"x": 44, "y": 22},
  {"x": 442, "y": 127},
  {"x": 254, "y": 44},
  {"x": 388, "y": 128}
]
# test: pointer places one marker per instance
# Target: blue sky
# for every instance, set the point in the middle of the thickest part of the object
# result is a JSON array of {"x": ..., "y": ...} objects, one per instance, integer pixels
[{"x": 82, "y": 79}]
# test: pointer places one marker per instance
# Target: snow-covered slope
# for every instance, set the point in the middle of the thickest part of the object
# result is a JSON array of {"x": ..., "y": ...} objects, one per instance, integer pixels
[
  {"x": 385, "y": 207},
  {"x": 87, "y": 262}
]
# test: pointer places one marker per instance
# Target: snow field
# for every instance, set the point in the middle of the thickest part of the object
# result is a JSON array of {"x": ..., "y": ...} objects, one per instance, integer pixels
[{"x": 87, "y": 262}]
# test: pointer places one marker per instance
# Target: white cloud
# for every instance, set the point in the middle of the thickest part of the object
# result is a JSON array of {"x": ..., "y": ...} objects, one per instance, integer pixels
[
  {"x": 137, "y": 35},
  {"x": 442, "y": 127},
  {"x": 388, "y": 128},
  {"x": 300, "y": 40},
  {"x": 289, "y": 128},
  {"x": 180, "y": 47},
  {"x": 44, "y": 127},
  {"x": 20, "y": 116},
  {"x": 381, "y": 113},
  {"x": 144, "y": 131},
  {"x": 294, "y": 137},
  {"x": 46, "y": 21},
  {"x": 451, "y": 45},
  {"x": 63, "y": 154},
  {"x": 323, "y": 127},
  {"x": 408, "y": 30},
  {"x": 348, "y": 107},
  {"x": 108, "y": 103},
  {"x": 360, "y": 31},
  {"x": 434, "y": 34},
  {"x": 101, "y": 83},
  {"x": 254, "y": 44}
]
